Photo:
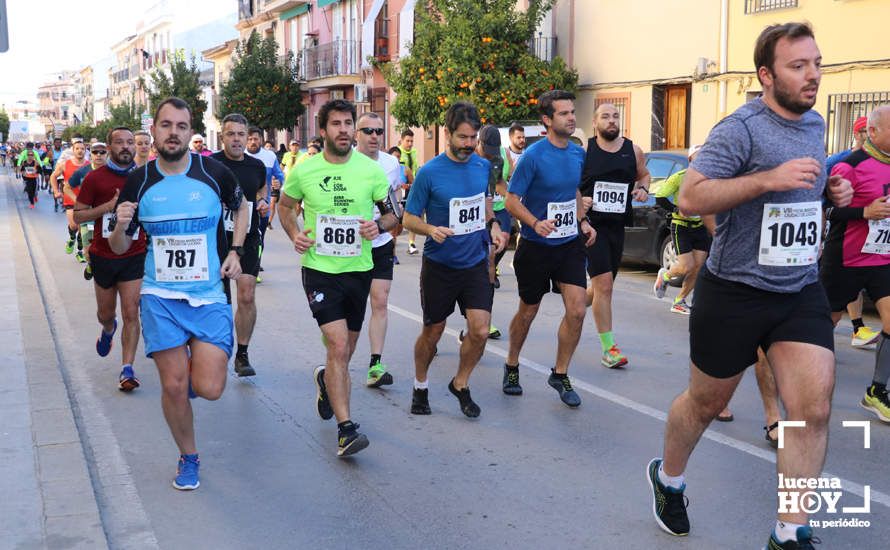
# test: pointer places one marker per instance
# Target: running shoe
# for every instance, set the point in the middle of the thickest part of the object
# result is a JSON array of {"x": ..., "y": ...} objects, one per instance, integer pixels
[
  {"x": 259, "y": 279},
  {"x": 127, "y": 381},
  {"x": 420, "y": 401},
  {"x": 377, "y": 376},
  {"x": 87, "y": 273},
  {"x": 661, "y": 285},
  {"x": 563, "y": 385},
  {"x": 467, "y": 405},
  {"x": 69, "y": 246},
  {"x": 31, "y": 206},
  {"x": 511, "y": 381},
  {"x": 412, "y": 250},
  {"x": 242, "y": 366},
  {"x": 187, "y": 473},
  {"x": 497, "y": 282},
  {"x": 613, "y": 358},
  {"x": 668, "y": 504},
  {"x": 79, "y": 257},
  {"x": 877, "y": 402},
  {"x": 805, "y": 540},
  {"x": 395, "y": 260},
  {"x": 681, "y": 307},
  {"x": 322, "y": 405},
  {"x": 103, "y": 343},
  {"x": 864, "y": 337},
  {"x": 493, "y": 332},
  {"x": 350, "y": 440}
]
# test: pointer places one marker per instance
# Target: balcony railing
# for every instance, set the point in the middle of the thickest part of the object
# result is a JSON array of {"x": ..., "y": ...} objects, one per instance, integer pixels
[
  {"x": 337, "y": 58},
  {"x": 757, "y": 6},
  {"x": 543, "y": 47}
]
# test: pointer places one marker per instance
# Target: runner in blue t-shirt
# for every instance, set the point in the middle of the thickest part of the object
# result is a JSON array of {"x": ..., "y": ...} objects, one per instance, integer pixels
[
  {"x": 453, "y": 191},
  {"x": 543, "y": 195},
  {"x": 186, "y": 320}
]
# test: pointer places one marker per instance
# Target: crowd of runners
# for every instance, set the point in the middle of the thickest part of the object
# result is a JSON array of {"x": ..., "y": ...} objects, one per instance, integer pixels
[{"x": 775, "y": 242}]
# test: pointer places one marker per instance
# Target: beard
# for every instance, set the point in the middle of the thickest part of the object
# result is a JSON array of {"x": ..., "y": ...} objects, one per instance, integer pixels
[
  {"x": 331, "y": 146},
  {"x": 609, "y": 134},
  {"x": 174, "y": 155},
  {"x": 460, "y": 153},
  {"x": 787, "y": 100},
  {"x": 123, "y": 158}
]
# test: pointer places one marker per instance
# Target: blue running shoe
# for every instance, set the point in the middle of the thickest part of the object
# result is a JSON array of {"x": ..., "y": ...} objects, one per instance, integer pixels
[
  {"x": 103, "y": 343},
  {"x": 805, "y": 541},
  {"x": 187, "y": 473},
  {"x": 127, "y": 381}
]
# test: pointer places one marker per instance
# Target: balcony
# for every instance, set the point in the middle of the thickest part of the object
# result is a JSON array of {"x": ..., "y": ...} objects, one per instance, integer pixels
[
  {"x": 543, "y": 47},
  {"x": 339, "y": 58},
  {"x": 757, "y": 6}
]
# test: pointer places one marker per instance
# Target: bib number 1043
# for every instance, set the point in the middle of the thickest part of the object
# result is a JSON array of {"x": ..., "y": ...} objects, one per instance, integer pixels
[{"x": 790, "y": 234}]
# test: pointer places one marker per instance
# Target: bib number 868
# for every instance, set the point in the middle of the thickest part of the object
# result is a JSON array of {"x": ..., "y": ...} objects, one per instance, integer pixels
[
  {"x": 180, "y": 258},
  {"x": 788, "y": 234},
  {"x": 339, "y": 235}
]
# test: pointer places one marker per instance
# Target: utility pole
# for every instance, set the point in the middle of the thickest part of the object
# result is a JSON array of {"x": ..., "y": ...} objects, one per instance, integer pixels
[{"x": 4, "y": 28}]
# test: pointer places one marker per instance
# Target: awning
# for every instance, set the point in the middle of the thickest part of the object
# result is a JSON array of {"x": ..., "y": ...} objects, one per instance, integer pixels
[
  {"x": 293, "y": 12},
  {"x": 323, "y": 3},
  {"x": 368, "y": 33},
  {"x": 406, "y": 27}
]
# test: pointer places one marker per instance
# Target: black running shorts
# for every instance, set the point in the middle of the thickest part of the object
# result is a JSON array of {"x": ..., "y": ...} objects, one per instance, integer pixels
[
  {"x": 730, "y": 320},
  {"x": 107, "y": 272},
  {"x": 384, "y": 256},
  {"x": 335, "y": 296},
  {"x": 843, "y": 284},
  {"x": 686, "y": 238},
  {"x": 441, "y": 287},
  {"x": 538, "y": 264},
  {"x": 604, "y": 255}
]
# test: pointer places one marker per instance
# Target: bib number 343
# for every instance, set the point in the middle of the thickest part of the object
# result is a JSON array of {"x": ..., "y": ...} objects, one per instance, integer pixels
[
  {"x": 790, "y": 234},
  {"x": 563, "y": 216}
]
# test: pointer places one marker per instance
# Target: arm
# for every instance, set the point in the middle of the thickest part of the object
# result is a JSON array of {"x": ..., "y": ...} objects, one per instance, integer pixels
[
  {"x": 518, "y": 210},
  {"x": 119, "y": 241},
  {"x": 54, "y": 180},
  {"x": 583, "y": 224},
  {"x": 710, "y": 222},
  {"x": 84, "y": 213},
  {"x": 643, "y": 176}
]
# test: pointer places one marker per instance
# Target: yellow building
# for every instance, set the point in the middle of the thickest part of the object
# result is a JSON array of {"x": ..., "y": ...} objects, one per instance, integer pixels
[{"x": 675, "y": 68}]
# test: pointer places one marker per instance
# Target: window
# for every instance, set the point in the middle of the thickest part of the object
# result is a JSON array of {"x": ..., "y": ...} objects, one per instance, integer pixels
[
  {"x": 843, "y": 110},
  {"x": 622, "y": 103},
  {"x": 757, "y": 6}
]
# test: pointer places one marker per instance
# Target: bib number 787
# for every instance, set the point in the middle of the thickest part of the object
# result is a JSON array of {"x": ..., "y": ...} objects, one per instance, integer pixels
[{"x": 181, "y": 258}]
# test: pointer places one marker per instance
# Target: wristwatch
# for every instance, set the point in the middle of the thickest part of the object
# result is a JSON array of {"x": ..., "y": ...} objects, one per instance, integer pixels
[
  {"x": 380, "y": 227},
  {"x": 239, "y": 250}
]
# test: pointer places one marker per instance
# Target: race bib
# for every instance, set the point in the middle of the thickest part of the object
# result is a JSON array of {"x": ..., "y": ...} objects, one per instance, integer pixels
[
  {"x": 180, "y": 258},
  {"x": 337, "y": 236},
  {"x": 790, "y": 233},
  {"x": 30, "y": 170},
  {"x": 610, "y": 197},
  {"x": 106, "y": 226},
  {"x": 563, "y": 214},
  {"x": 467, "y": 214},
  {"x": 229, "y": 218},
  {"x": 878, "y": 240}
]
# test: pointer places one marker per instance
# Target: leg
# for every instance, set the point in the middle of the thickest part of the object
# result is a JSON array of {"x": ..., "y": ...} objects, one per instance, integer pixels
[
  {"x": 473, "y": 346},
  {"x": 691, "y": 413},
  {"x": 769, "y": 395},
  {"x": 573, "y": 298},
  {"x": 245, "y": 316},
  {"x": 174, "y": 374},
  {"x": 425, "y": 348},
  {"x": 336, "y": 374},
  {"x": 519, "y": 326},
  {"x": 129, "y": 296},
  {"x": 208, "y": 369},
  {"x": 854, "y": 310},
  {"x": 805, "y": 378},
  {"x": 687, "y": 264},
  {"x": 600, "y": 292},
  {"x": 106, "y": 307},
  {"x": 377, "y": 325}
]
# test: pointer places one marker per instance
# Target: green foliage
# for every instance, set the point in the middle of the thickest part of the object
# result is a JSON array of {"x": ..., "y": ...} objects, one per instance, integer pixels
[
  {"x": 477, "y": 51},
  {"x": 4, "y": 124},
  {"x": 261, "y": 86},
  {"x": 126, "y": 114},
  {"x": 183, "y": 82}
]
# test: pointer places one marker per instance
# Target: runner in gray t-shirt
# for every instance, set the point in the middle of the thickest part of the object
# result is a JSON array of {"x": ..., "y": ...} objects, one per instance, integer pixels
[{"x": 761, "y": 172}]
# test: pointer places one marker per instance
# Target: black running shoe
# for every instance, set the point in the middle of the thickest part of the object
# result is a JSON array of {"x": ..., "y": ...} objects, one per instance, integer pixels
[
  {"x": 420, "y": 402},
  {"x": 242, "y": 366},
  {"x": 467, "y": 405},
  {"x": 511, "y": 381},
  {"x": 351, "y": 441},
  {"x": 322, "y": 405},
  {"x": 805, "y": 541},
  {"x": 668, "y": 504},
  {"x": 563, "y": 385}
]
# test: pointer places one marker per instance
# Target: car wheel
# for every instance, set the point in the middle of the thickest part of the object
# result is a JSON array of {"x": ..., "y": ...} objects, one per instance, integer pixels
[{"x": 668, "y": 257}]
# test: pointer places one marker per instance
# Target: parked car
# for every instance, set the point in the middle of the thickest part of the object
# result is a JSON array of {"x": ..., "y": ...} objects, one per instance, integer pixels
[{"x": 648, "y": 240}]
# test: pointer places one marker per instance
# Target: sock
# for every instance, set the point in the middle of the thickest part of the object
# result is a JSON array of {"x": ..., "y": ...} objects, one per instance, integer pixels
[
  {"x": 511, "y": 367},
  {"x": 79, "y": 242},
  {"x": 346, "y": 426},
  {"x": 242, "y": 349},
  {"x": 559, "y": 375},
  {"x": 418, "y": 385},
  {"x": 674, "y": 482},
  {"x": 71, "y": 234},
  {"x": 878, "y": 388},
  {"x": 678, "y": 299},
  {"x": 857, "y": 324},
  {"x": 786, "y": 531},
  {"x": 882, "y": 359},
  {"x": 375, "y": 358},
  {"x": 666, "y": 277},
  {"x": 607, "y": 340}
]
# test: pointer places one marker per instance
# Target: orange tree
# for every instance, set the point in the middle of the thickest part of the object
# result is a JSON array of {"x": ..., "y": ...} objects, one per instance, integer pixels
[{"x": 477, "y": 51}]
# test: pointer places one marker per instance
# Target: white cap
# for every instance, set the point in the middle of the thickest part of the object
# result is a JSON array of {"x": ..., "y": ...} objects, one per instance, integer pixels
[
  {"x": 197, "y": 137},
  {"x": 693, "y": 150}
]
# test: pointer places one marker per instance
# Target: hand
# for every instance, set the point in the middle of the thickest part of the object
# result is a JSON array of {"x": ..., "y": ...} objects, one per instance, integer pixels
[
  {"x": 589, "y": 231},
  {"x": 639, "y": 194},
  {"x": 545, "y": 227},
  {"x": 231, "y": 267},
  {"x": 439, "y": 234},
  {"x": 877, "y": 210},
  {"x": 57, "y": 194},
  {"x": 109, "y": 206},
  {"x": 262, "y": 207},
  {"x": 500, "y": 239},
  {"x": 368, "y": 230},
  {"x": 586, "y": 204},
  {"x": 794, "y": 174},
  {"x": 840, "y": 190},
  {"x": 125, "y": 213},
  {"x": 276, "y": 185},
  {"x": 302, "y": 242}
]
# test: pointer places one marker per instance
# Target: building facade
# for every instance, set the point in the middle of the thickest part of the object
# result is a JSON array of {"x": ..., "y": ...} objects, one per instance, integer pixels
[{"x": 57, "y": 102}]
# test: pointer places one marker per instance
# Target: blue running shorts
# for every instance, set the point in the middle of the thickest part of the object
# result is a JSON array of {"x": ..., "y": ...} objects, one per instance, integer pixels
[{"x": 170, "y": 323}]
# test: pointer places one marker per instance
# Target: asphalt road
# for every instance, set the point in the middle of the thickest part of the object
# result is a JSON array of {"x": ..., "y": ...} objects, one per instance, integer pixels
[{"x": 528, "y": 473}]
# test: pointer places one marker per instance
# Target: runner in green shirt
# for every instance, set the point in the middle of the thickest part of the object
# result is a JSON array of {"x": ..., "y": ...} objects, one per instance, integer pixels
[{"x": 337, "y": 192}]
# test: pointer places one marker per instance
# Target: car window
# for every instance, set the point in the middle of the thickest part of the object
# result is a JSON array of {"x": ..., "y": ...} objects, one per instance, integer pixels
[{"x": 661, "y": 168}]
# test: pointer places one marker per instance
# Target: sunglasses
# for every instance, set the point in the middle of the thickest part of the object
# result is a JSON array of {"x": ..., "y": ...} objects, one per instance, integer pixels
[
  {"x": 370, "y": 131},
  {"x": 102, "y": 152}
]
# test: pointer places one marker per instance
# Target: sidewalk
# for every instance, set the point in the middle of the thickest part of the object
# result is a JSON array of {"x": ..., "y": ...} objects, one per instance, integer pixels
[{"x": 50, "y": 498}]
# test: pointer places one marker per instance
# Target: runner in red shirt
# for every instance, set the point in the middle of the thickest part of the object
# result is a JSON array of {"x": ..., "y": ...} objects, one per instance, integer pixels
[
  {"x": 113, "y": 274},
  {"x": 69, "y": 196}
]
